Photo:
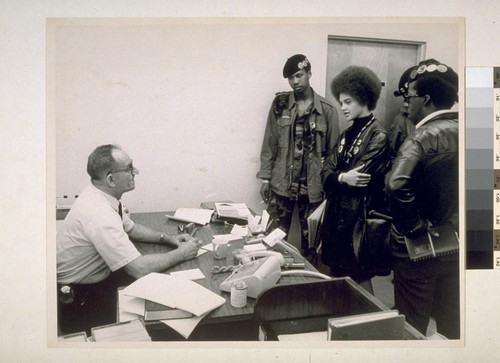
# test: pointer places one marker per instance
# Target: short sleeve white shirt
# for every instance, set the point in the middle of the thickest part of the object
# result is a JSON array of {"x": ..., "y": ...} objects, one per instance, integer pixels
[{"x": 93, "y": 239}]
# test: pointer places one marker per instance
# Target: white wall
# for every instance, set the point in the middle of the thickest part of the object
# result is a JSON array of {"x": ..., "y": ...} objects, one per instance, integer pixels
[{"x": 187, "y": 99}]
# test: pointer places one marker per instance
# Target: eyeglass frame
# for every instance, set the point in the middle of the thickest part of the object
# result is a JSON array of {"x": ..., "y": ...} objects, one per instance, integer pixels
[
  {"x": 131, "y": 169},
  {"x": 408, "y": 97}
]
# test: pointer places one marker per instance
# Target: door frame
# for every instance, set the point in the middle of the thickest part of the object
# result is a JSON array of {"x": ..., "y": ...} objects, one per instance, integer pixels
[{"x": 421, "y": 47}]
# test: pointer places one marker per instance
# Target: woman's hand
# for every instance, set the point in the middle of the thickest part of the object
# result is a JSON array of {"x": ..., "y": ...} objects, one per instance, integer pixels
[{"x": 354, "y": 178}]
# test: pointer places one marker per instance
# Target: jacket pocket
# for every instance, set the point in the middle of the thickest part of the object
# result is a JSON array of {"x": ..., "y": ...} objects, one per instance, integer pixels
[{"x": 284, "y": 127}]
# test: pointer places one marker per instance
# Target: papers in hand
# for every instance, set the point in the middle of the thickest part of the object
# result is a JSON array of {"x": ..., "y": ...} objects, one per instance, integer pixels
[
  {"x": 314, "y": 222},
  {"x": 195, "y": 215},
  {"x": 175, "y": 292}
]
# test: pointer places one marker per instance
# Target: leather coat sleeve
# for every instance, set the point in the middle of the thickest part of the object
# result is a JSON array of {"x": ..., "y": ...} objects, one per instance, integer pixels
[
  {"x": 375, "y": 159},
  {"x": 401, "y": 188}
]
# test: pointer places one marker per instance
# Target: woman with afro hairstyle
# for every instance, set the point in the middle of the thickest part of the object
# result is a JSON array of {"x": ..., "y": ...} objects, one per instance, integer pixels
[{"x": 353, "y": 173}]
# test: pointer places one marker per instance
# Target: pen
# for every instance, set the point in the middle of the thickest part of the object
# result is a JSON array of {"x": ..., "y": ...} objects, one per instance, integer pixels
[{"x": 193, "y": 231}]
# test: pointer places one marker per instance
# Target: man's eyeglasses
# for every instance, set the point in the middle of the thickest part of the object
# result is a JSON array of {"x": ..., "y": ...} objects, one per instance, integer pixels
[
  {"x": 408, "y": 97},
  {"x": 131, "y": 169}
]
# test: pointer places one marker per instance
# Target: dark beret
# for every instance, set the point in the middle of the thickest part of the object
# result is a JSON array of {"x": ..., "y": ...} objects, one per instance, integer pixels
[
  {"x": 437, "y": 69},
  {"x": 403, "y": 82},
  {"x": 295, "y": 63}
]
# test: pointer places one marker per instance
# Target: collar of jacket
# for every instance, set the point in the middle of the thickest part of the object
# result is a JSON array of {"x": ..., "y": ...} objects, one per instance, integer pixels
[
  {"x": 316, "y": 102},
  {"x": 442, "y": 113}
]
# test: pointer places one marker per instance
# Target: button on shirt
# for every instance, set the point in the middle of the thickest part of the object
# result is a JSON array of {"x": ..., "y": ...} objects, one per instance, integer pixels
[{"x": 93, "y": 239}]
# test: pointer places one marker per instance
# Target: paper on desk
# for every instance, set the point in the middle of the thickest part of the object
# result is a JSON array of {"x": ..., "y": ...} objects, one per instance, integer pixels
[
  {"x": 238, "y": 210},
  {"x": 254, "y": 247},
  {"x": 264, "y": 221},
  {"x": 311, "y": 336},
  {"x": 253, "y": 223},
  {"x": 129, "y": 307},
  {"x": 175, "y": 292},
  {"x": 195, "y": 215},
  {"x": 240, "y": 231},
  {"x": 206, "y": 248},
  {"x": 275, "y": 235},
  {"x": 193, "y": 274},
  {"x": 228, "y": 237},
  {"x": 184, "y": 326}
]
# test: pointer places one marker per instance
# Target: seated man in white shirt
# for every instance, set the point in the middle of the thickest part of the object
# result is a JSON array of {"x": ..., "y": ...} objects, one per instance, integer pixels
[{"x": 95, "y": 254}]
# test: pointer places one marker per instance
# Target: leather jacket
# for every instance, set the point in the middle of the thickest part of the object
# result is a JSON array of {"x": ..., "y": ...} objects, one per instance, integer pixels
[
  {"x": 278, "y": 145},
  {"x": 423, "y": 182},
  {"x": 344, "y": 203}
]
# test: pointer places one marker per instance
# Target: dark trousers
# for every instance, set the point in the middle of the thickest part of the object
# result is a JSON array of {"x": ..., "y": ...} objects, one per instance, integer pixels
[
  {"x": 281, "y": 210},
  {"x": 89, "y": 305},
  {"x": 429, "y": 288}
]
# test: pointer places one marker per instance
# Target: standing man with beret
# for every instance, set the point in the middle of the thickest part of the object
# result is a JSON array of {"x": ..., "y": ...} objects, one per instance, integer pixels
[
  {"x": 423, "y": 198},
  {"x": 302, "y": 127}
]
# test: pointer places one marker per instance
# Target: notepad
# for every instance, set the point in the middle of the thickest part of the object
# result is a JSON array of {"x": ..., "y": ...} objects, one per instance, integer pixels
[
  {"x": 428, "y": 246},
  {"x": 155, "y": 311},
  {"x": 194, "y": 215},
  {"x": 130, "y": 331},
  {"x": 175, "y": 292},
  {"x": 379, "y": 325}
]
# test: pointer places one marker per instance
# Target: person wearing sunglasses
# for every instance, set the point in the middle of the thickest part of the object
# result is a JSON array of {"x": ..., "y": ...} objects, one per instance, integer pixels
[
  {"x": 422, "y": 192},
  {"x": 95, "y": 254}
]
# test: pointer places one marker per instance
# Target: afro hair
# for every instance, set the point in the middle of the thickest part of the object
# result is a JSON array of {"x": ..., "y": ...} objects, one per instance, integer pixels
[{"x": 361, "y": 83}]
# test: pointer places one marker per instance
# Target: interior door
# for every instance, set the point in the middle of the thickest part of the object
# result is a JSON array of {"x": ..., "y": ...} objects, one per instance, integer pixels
[{"x": 387, "y": 58}]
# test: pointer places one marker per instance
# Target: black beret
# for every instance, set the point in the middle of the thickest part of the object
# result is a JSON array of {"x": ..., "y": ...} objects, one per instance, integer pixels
[
  {"x": 434, "y": 68},
  {"x": 405, "y": 77},
  {"x": 403, "y": 82},
  {"x": 295, "y": 63}
]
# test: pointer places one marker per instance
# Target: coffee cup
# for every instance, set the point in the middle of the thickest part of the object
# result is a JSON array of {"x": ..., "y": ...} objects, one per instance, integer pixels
[{"x": 220, "y": 248}]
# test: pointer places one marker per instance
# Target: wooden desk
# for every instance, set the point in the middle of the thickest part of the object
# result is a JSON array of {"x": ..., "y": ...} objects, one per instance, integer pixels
[{"x": 226, "y": 314}]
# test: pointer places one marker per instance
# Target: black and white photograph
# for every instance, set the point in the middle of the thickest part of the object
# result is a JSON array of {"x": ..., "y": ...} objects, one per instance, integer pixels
[{"x": 334, "y": 143}]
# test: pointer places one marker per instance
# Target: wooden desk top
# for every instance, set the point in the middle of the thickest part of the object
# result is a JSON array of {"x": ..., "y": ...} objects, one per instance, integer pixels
[{"x": 225, "y": 313}]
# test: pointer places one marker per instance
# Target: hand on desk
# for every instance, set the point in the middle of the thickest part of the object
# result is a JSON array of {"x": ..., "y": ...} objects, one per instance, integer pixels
[
  {"x": 189, "y": 249},
  {"x": 179, "y": 238}
]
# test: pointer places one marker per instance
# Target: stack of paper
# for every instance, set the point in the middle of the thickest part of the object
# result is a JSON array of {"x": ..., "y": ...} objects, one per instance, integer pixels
[
  {"x": 237, "y": 213},
  {"x": 74, "y": 337},
  {"x": 130, "y": 331},
  {"x": 195, "y": 215},
  {"x": 176, "y": 292},
  {"x": 379, "y": 325},
  {"x": 257, "y": 224}
]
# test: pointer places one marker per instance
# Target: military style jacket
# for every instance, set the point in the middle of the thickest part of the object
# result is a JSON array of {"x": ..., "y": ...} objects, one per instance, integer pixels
[{"x": 278, "y": 145}]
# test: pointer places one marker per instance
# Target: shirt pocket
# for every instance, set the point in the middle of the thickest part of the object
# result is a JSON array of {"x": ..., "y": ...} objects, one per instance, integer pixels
[{"x": 284, "y": 127}]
